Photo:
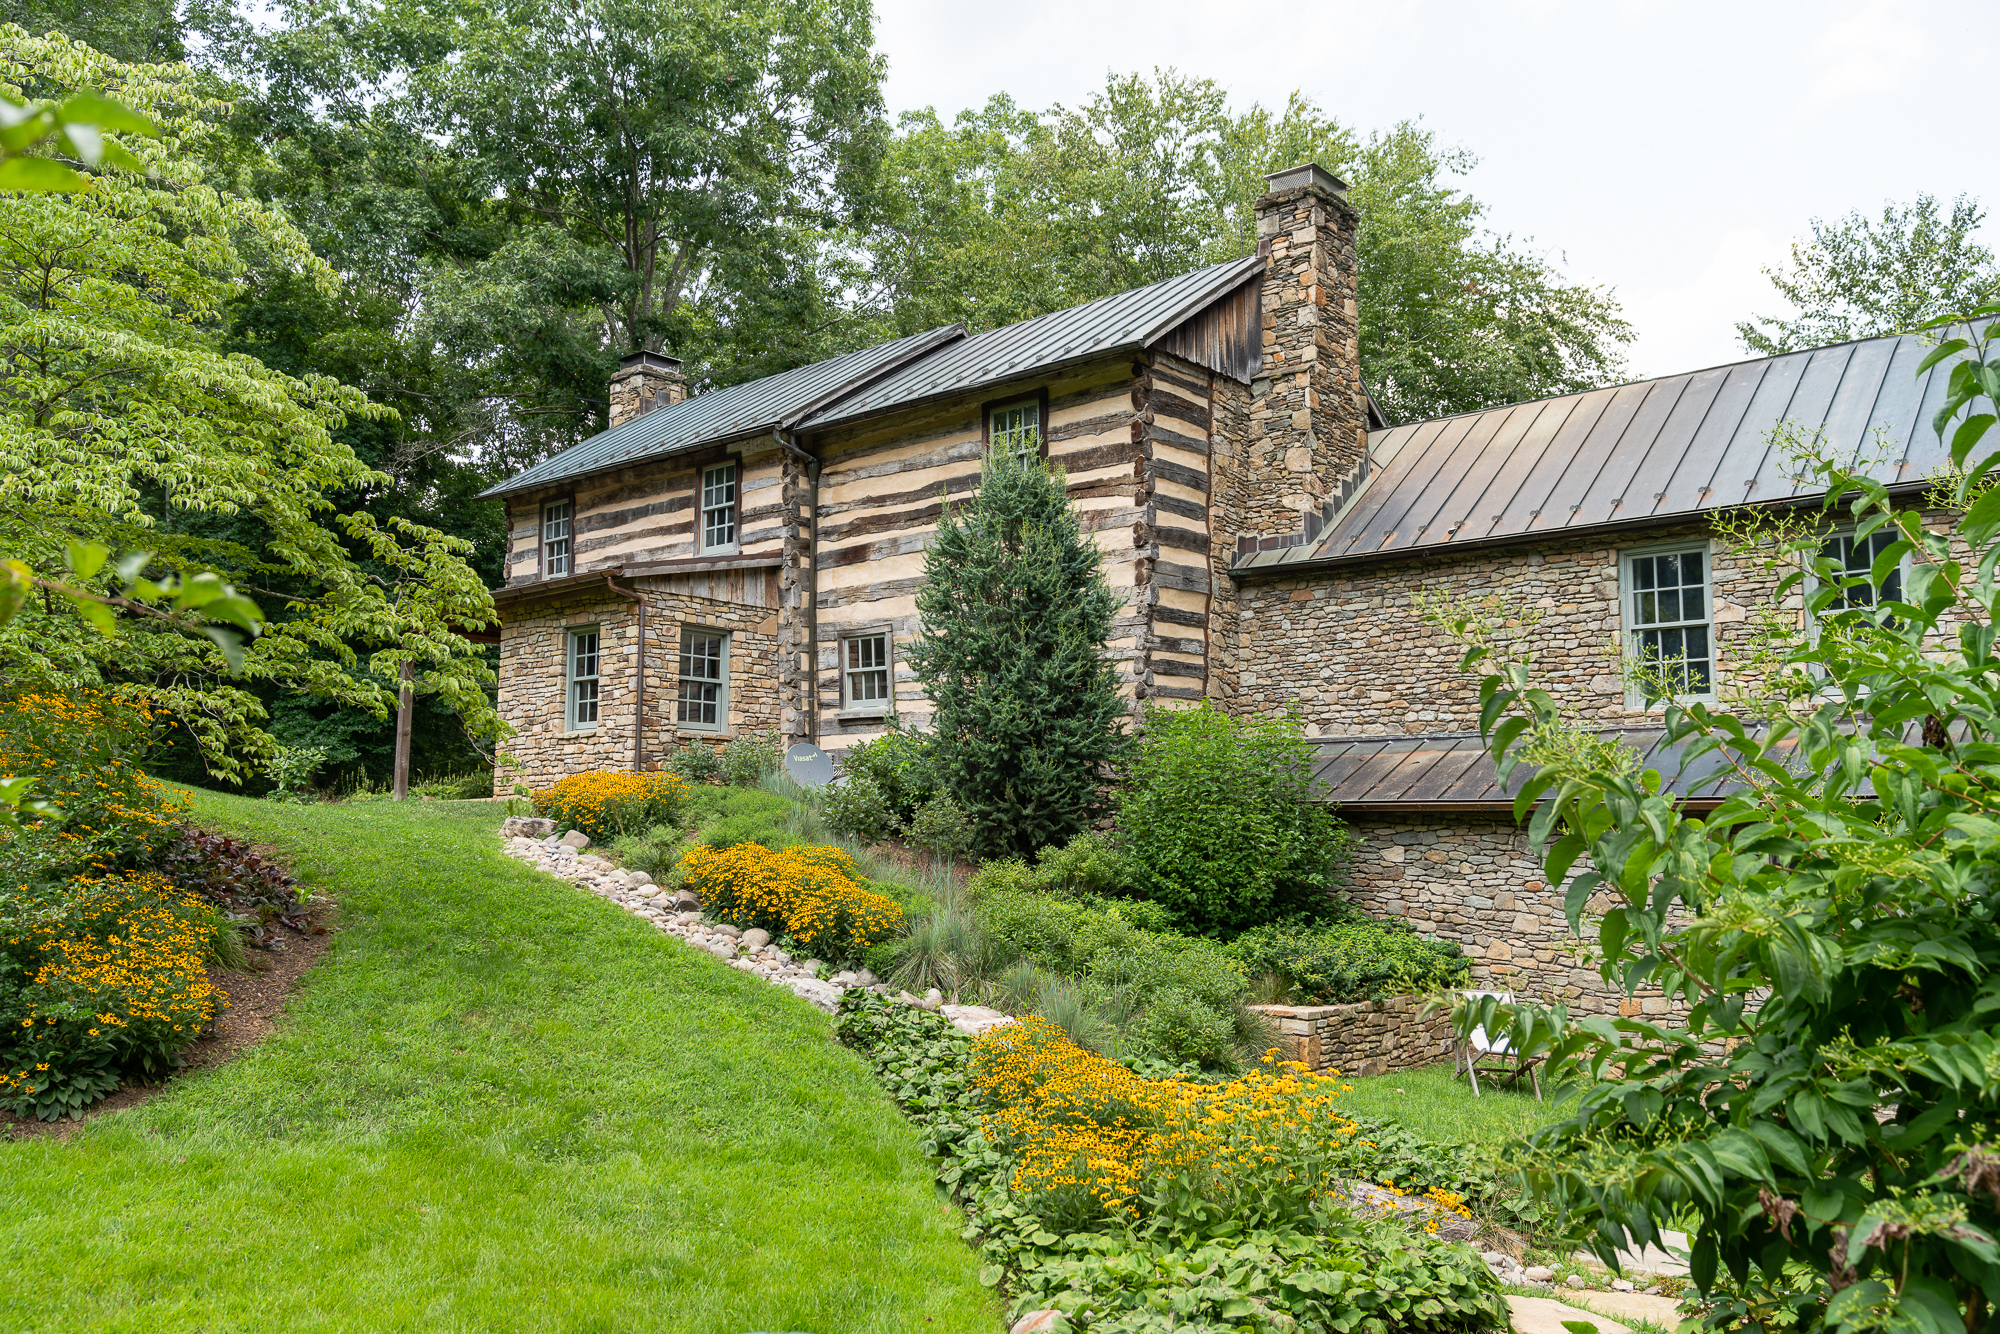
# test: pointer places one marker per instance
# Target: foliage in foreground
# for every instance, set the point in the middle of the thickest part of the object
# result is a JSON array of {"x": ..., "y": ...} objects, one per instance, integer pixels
[
  {"x": 1266, "y": 1254},
  {"x": 1016, "y": 616},
  {"x": 1828, "y": 1114}
]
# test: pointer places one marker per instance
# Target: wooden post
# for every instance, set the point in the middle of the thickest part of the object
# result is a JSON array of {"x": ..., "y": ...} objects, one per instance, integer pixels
[{"x": 405, "y": 708}]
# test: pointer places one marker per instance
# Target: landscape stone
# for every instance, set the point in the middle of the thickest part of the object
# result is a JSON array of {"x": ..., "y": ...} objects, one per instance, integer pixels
[
  {"x": 756, "y": 937},
  {"x": 639, "y": 877},
  {"x": 576, "y": 839},
  {"x": 725, "y": 929},
  {"x": 1621, "y": 1285},
  {"x": 1545, "y": 1315},
  {"x": 526, "y": 826},
  {"x": 1035, "y": 1322},
  {"x": 817, "y": 992},
  {"x": 1539, "y": 1273},
  {"x": 972, "y": 1020},
  {"x": 1576, "y": 1281},
  {"x": 1663, "y": 1311},
  {"x": 723, "y": 949}
]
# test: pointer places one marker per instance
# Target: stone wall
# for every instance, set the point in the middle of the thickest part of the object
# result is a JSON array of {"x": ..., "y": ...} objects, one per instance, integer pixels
[
  {"x": 1472, "y": 880},
  {"x": 534, "y": 685},
  {"x": 1367, "y": 1038}
]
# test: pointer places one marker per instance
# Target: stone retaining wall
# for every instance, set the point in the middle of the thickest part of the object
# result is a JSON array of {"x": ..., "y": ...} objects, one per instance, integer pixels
[{"x": 1366, "y": 1038}]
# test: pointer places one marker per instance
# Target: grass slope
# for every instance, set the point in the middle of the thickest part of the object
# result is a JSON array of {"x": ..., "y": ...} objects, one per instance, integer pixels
[
  {"x": 499, "y": 1104},
  {"x": 1439, "y": 1106}
]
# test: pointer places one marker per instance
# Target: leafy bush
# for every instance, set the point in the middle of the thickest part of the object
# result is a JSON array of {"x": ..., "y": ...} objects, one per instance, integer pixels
[
  {"x": 940, "y": 828},
  {"x": 898, "y": 763},
  {"x": 1089, "y": 864},
  {"x": 855, "y": 808},
  {"x": 472, "y": 785},
  {"x": 1206, "y": 1234},
  {"x": 292, "y": 768},
  {"x": 809, "y": 894},
  {"x": 606, "y": 804},
  {"x": 694, "y": 761},
  {"x": 1218, "y": 816},
  {"x": 97, "y": 976},
  {"x": 1350, "y": 961},
  {"x": 83, "y": 753},
  {"x": 656, "y": 852},
  {"x": 747, "y": 759}
]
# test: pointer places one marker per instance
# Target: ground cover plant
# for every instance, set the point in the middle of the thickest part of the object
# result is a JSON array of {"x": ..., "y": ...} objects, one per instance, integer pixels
[
  {"x": 498, "y": 1104},
  {"x": 1038, "y": 1140},
  {"x": 1826, "y": 1115},
  {"x": 1334, "y": 963}
]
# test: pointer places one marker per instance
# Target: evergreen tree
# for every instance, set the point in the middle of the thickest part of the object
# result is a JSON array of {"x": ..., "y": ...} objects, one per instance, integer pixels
[{"x": 1016, "y": 615}]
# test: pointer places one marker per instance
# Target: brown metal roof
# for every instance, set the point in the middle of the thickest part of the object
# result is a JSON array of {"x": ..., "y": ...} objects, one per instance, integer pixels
[
  {"x": 1653, "y": 450},
  {"x": 1454, "y": 772}
]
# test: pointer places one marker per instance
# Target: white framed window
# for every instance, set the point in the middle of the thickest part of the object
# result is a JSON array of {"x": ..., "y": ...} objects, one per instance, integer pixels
[
  {"x": 718, "y": 507},
  {"x": 555, "y": 539},
  {"x": 1014, "y": 431},
  {"x": 1854, "y": 557},
  {"x": 580, "y": 713},
  {"x": 703, "y": 703},
  {"x": 867, "y": 681},
  {"x": 1669, "y": 624}
]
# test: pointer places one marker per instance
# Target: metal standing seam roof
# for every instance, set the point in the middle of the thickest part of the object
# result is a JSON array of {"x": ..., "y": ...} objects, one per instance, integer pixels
[
  {"x": 1447, "y": 771},
  {"x": 1131, "y": 319},
  {"x": 722, "y": 414},
  {"x": 1654, "y": 449}
]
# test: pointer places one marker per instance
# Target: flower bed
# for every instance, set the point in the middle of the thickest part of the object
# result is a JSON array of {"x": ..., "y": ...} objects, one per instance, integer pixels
[
  {"x": 1136, "y": 1205},
  {"x": 605, "y": 804},
  {"x": 811, "y": 895}
]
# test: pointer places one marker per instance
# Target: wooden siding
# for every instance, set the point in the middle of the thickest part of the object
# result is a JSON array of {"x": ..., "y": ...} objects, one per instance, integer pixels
[{"x": 1227, "y": 337}]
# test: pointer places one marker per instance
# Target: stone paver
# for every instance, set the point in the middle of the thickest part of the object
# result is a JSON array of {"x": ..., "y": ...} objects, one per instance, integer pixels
[
  {"x": 1632, "y": 1306},
  {"x": 1545, "y": 1315}
]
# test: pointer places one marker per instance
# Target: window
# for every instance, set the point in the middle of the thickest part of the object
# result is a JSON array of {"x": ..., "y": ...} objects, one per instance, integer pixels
[
  {"x": 718, "y": 507},
  {"x": 1667, "y": 622},
  {"x": 704, "y": 694},
  {"x": 1855, "y": 556},
  {"x": 865, "y": 680},
  {"x": 582, "y": 714},
  {"x": 1015, "y": 431},
  {"x": 555, "y": 539}
]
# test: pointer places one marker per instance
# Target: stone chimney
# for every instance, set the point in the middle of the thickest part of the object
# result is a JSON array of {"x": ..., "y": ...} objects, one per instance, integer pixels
[
  {"x": 1308, "y": 428},
  {"x": 642, "y": 382}
]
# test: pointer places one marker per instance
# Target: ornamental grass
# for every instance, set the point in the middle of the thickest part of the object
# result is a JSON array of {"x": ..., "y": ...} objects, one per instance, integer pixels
[
  {"x": 107, "y": 974},
  {"x": 607, "y": 804},
  {"x": 1091, "y": 1139},
  {"x": 811, "y": 894}
]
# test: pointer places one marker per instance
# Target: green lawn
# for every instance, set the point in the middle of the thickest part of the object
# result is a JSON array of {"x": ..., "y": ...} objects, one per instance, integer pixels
[
  {"x": 498, "y": 1104},
  {"x": 1431, "y": 1102}
]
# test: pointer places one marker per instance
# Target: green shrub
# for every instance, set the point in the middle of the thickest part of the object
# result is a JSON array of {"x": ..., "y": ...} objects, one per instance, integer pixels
[
  {"x": 1179, "y": 1026},
  {"x": 695, "y": 761},
  {"x": 940, "y": 829},
  {"x": 1350, "y": 961},
  {"x": 655, "y": 852},
  {"x": 471, "y": 785},
  {"x": 747, "y": 758},
  {"x": 1218, "y": 816},
  {"x": 855, "y": 808},
  {"x": 1090, "y": 863}
]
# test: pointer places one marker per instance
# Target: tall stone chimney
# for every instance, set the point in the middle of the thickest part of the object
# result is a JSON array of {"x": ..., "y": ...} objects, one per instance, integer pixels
[
  {"x": 1308, "y": 417},
  {"x": 642, "y": 382}
]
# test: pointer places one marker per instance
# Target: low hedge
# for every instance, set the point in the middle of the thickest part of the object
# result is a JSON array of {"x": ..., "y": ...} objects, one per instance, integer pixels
[{"x": 1341, "y": 963}]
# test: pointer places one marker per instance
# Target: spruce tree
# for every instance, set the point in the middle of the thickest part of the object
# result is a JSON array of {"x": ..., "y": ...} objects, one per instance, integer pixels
[{"x": 1016, "y": 615}]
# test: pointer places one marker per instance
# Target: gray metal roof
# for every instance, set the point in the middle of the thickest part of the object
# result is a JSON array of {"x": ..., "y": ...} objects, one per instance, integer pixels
[
  {"x": 1680, "y": 445},
  {"x": 1131, "y": 319},
  {"x": 1453, "y": 770},
  {"x": 723, "y": 414}
]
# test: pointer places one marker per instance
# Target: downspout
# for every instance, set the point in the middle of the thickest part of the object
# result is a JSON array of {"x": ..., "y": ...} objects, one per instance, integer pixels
[
  {"x": 810, "y": 594},
  {"x": 639, "y": 699}
]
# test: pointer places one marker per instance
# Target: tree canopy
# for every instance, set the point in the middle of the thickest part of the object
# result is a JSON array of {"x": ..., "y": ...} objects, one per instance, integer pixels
[
  {"x": 124, "y": 418},
  {"x": 1859, "y": 277}
]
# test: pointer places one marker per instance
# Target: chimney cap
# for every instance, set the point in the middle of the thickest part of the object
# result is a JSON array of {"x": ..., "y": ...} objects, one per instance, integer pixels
[
  {"x": 1311, "y": 173},
  {"x": 641, "y": 357}
]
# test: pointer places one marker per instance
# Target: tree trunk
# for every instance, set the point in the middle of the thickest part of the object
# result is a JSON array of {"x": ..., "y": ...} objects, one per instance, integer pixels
[{"x": 405, "y": 708}]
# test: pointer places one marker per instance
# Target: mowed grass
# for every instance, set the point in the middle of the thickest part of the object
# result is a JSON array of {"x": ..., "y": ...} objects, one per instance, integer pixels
[
  {"x": 1439, "y": 1107},
  {"x": 497, "y": 1104}
]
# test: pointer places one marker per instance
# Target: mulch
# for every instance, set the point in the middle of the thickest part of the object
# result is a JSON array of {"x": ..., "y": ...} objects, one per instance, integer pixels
[{"x": 257, "y": 999}]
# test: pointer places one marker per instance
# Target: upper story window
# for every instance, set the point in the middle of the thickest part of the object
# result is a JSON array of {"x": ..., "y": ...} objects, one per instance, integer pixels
[
  {"x": 1668, "y": 626},
  {"x": 703, "y": 705},
  {"x": 1014, "y": 431},
  {"x": 580, "y": 714},
  {"x": 865, "y": 675},
  {"x": 718, "y": 507},
  {"x": 1854, "y": 558},
  {"x": 555, "y": 539}
]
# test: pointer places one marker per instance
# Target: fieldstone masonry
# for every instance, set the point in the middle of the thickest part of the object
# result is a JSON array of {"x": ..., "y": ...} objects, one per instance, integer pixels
[{"x": 1368, "y": 1038}]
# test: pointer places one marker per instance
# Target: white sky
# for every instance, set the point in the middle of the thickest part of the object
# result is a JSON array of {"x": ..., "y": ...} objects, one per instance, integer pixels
[{"x": 1667, "y": 150}]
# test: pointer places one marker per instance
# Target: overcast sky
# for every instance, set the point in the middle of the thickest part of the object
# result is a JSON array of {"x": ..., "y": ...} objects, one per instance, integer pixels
[{"x": 1666, "y": 150}]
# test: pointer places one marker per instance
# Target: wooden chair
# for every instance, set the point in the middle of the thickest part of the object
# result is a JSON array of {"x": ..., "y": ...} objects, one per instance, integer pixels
[{"x": 1495, "y": 1051}]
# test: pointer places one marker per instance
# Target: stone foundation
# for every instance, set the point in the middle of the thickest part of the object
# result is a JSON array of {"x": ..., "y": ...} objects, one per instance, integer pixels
[{"x": 1366, "y": 1038}]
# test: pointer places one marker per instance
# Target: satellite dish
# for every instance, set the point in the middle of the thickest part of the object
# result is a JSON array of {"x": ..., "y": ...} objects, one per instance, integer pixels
[{"x": 808, "y": 765}]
